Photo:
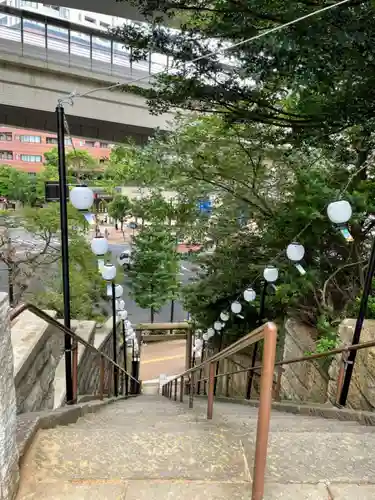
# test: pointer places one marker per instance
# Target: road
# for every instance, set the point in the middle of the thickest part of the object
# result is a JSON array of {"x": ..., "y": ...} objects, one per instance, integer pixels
[
  {"x": 162, "y": 357},
  {"x": 25, "y": 241}
]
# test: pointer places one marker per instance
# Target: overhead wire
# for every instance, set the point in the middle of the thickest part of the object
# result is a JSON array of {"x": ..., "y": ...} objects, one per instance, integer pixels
[{"x": 74, "y": 95}]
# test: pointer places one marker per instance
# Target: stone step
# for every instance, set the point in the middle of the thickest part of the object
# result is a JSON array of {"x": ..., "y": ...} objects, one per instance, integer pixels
[{"x": 155, "y": 449}]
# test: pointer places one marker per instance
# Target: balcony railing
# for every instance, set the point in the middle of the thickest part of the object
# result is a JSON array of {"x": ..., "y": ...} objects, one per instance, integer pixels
[{"x": 55, "y": 41}]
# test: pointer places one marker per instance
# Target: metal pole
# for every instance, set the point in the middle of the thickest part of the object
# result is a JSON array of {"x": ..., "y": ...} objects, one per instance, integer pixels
[
  {"x": 63, "y": 195},
  {"x": 114, "y": 339},
  {"x": 255, "y": 350},
  {"x": 358, "y": 326},
  {"x": 125, "y": 358}
]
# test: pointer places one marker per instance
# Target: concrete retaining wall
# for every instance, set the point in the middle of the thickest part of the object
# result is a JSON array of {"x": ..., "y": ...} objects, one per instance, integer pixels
[{"x": 37, "y": 348}]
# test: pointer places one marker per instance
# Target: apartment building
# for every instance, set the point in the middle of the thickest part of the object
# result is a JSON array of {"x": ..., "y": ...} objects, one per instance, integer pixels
[{"x": 24, "y": 149}]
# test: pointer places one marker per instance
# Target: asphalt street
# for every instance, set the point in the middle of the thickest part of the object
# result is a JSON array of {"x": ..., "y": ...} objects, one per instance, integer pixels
[{"x": 136, "y": 314}]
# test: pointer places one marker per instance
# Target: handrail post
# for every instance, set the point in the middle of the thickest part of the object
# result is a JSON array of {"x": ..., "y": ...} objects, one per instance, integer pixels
[
  {"x": 175, "y": 389},
  {"x": 191, "y": 391},
  {"x": 182, "y": 389},
  {"x": 264, "y": 413},
  {"x": 101, "y": 378},
  {"x": 211, "y": 386}
]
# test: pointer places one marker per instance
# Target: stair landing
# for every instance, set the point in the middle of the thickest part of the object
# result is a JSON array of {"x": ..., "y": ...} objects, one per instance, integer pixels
[{"x": 149, "y": 448}]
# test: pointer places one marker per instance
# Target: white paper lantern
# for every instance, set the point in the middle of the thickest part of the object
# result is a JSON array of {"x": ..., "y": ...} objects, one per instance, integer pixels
[
  {"x": 218, "y": 326},
  {"x": 205, "y": 337},
  {"x": 118, "y": 291},
  {"x": 249, "y": 295},
  {"x": 236, "y": 307},
  {"x": 99, "y": 246},
  {"x": 198, "y": 344},
  {"x": 224, "y": 316},
  {"x": 120, "y": 305},
  {"x": 339, "y": 212},
  {"x": 108, "y": 272},
  {"x": 122, "y": 315},
  {"x": 210, "y": 332},
  {"x": 271, "y": 274},
  {"x": 295, "y": 252},
  {"x": 81, "y": 197}
]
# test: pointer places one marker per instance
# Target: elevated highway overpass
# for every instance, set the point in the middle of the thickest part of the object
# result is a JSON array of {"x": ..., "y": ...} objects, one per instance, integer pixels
[{"x": 44, "y": 59}]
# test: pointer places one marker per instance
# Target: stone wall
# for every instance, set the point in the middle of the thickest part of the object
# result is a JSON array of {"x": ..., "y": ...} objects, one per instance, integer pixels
[
  {"x": 305, "y": 381},
  {"x": 89, "y": 366},
  {"x": 37, "y": 348},
  {"x": 362, "y": 388},
  {"x": 9, "y": 473}
]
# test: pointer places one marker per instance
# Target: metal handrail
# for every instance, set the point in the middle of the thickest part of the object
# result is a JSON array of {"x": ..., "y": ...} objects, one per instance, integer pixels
[
  {"x": 268, "y": 332},
  {"x": 52, "y": 321}
]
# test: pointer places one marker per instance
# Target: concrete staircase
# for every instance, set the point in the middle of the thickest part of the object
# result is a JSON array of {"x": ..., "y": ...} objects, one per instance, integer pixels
[{"x": 150, "y": 448}]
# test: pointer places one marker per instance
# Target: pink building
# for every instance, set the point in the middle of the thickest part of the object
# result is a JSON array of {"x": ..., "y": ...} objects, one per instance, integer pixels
[{"x": 24, "y": 149}]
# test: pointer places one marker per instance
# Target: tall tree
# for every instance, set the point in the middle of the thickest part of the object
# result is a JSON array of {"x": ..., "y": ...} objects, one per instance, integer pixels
[
  {"x": 153, "y": 276},
  {"x": 119, "y": 208}
]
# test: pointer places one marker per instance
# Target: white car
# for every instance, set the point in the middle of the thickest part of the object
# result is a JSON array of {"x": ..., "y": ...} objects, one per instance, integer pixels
[{"x": 125, "y": 258}]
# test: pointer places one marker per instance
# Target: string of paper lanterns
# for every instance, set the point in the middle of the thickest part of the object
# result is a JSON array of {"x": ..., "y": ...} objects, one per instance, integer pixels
[{"x": 338, "y": 212}]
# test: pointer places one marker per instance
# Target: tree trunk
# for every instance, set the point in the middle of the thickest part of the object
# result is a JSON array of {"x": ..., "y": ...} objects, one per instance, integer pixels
[{"x": 172, "y": 310}]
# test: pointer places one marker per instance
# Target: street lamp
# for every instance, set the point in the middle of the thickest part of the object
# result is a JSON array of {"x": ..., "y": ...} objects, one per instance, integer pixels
[
  {"x": 295, "y": 252},
  {"x": 270, "y": 275},
  {"x": 108, "y": 272},
  {"x": 63, "y": 197}
]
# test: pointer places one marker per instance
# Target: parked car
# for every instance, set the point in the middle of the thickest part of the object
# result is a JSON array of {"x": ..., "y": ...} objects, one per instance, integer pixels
[{"x": 125, "y": 258}]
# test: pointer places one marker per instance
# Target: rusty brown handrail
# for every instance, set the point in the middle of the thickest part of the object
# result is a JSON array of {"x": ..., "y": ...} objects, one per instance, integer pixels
[
  {"x": 76, "y": 338},
  {"x": 267, "y": 332}
]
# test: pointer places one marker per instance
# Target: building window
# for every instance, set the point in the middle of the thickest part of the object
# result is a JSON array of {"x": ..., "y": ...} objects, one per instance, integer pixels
[
  {"x": 4, "y": 21},
  {"x": 90, "y": 20},
  {"x": 68, "y": 141},
  {"x": 90, "y": 144},
  {"x": 6, "y": 155},
  {"x": 51, "y": 140},
  {"x": 104, "y": 145},
  {"x": 26, "y": 3},
  {"x": 31, "y": 158},
  {"x": 81, "y": 143},
  {"x": 31, "y": 174},
  {"x": 30, "y": 138},
  {"x": 104, "y": 25},
  {"x": 5, "y": 136}
]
